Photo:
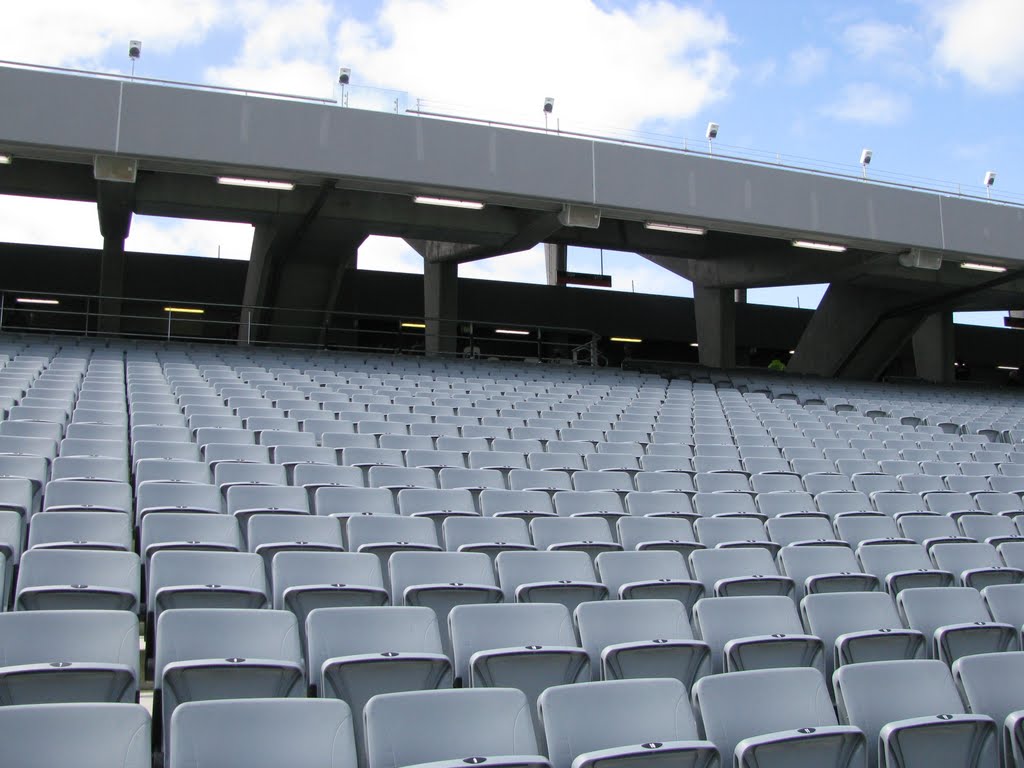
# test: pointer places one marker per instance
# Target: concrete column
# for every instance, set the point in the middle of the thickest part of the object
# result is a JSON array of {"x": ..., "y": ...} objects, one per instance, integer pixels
[
  {"x": 556, "y": 258},
  {"x": 851, "y": 334},
  {"x": 441, "y": 307},
  {"x": 114, "y": 205},
  {"x": 715, "y": 310},
  {"x": 740, "y": 294},
  {"x": 935, "y": 349}
]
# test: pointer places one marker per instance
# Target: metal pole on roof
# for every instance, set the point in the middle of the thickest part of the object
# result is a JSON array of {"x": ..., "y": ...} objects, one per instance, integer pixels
[{"x": 168, "y": 326}]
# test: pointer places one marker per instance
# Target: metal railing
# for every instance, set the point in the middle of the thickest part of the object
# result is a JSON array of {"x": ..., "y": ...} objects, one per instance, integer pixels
[{"x": 169, "y": 320}]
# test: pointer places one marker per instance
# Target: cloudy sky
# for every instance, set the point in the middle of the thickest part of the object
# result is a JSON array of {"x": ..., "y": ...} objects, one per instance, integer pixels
[{"x": 933, "y": 87}]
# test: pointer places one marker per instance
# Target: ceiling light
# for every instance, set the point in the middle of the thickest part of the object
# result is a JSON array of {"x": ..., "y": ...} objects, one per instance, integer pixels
[
  {"x": 814, "y": 246},
  {"x": 626, "y": 340},
  {"x": 5, "y": 159},
  {"x": 419, "y": 326},
  {"x": 184, "y": 310},
  {"x": 511, "y": 332},
  {"x": 792, "y": 351},
  {"x": 448, "y": 202},
  {"x": 679, "y": 229},
  {"x": 37, "y": 301},
  {"x": 982, "y": 267},
  {"x": 233, "y": 181},
  {"x": 1008, "y": 367},
  {"x": 694, "y": 344}
]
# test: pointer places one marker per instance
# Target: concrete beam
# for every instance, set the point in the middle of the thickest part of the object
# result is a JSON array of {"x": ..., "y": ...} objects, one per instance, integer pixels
[
  {"x": 935, "y": 349},
  {"x": 532, "y": 230},
  {"x": 114, "y": 205},
  {"x": 441, "y": 307},
  {"x": 715, "y": 312},
  {"x": 556, "y": 259},
  {"x": 854, "y": 333}
]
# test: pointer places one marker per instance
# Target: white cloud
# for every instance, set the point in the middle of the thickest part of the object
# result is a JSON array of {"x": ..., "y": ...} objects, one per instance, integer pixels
[
  {"x": 388, "y": 254},
  {"x": 525, "y": 267},
  {"x": 619, "y": 67},
  {"x": 807, "y": 63},
  {"x": 980, "y": 39},
  {"x": 190, "y": 237},
  {"x": 76, "y": 33},
  {"x": 868, "y": 103},
  {"x": 873, "y": 39},
  {"x": 34, "y": 220}
]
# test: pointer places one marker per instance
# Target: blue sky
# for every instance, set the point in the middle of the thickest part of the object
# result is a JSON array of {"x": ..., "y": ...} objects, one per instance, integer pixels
[{"x": 933, "y": 87}]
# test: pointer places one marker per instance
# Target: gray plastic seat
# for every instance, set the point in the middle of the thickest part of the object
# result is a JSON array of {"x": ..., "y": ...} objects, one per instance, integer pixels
[
  {"x": 724, "y": 503},
  {"x": 623, "y": 722},
  {"x": 547, "y": 480},
  {"x": 975, "y": 565},
  {"x": 155, "y": 497},
  {"x": 70, "y": 495},
  {"x": 901, "y": 566},
  {"x": 664, "y": 482},
  {"x": 436, "y": 504},
  {"x": 188, "y": 530},
  {"x": 989, "y": 528},
  {"x": 859, "y": 626},
  {"x": 198, "y": 579},
  {"x": 801, "y": 530},
  {"x": 524, "y": 504},
  {"x": 96, "y": 468},
  {"x": 346, "y": 502},
  {"x": 640, "y": 639},
  {"x": 71, "y": 579},
  {"x": 226, "y": 653},
  {"x": 397, "y": 478},
  {"x": 447, "y": 729},
  {"x": 81, "y": 530},
  {"x": 649, "y": 574},
  {"x": 383, "y": 535},
  {"x": 69, "y": 656},
  {"x": 668, "y": 532},
  {"x": 526, "y": 646},
  {"x": 489, "y": 535},
  {"x": 785, "y": 503},
  {"x": 575, "y": 534},
  {"x": 732, "y": 531},
  {"x": 1005, "y": 603},
  {"x": 442, "y": 580},
  {"x": 820, "y": 569},
  {"x": 354, "y": 654},
  {"x": 550, "y": 577},
  {"x": 755, "y": 632},
  {"x": 911, "y": 710},
  {"x": 91, "y": 735},
  {"x": 738, "y": 571},
  {"x": 263, "y": 733},
  {"x": 838, "y": 503},
  {"x": 955, "y": 622},
  {"x": 246, "y": 501},
  {"x": 982, "y": 681},
  {"x": 931, "y": 530},
  {"x": 858, "y": 529},
  {"x": 777, "y": 718},
  {"x": 273, "y": 533},
  {"x": 606, "y": 504}
]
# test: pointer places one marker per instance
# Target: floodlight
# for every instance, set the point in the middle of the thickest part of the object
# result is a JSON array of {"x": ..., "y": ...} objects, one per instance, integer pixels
[
  {"x": 712, "y": 131},
  {"x": 134, "y": 49},
  {"x": 344, "y": 75},
  {"x": 865, "y": 157},
  {"x": 990, "y": 178},
  {"x": 5, "y": 159},
  {"x": 549, "y": 105}
]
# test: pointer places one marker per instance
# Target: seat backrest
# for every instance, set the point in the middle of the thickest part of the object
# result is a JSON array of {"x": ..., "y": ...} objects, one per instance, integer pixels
[
  {"x": 378, "y": 529},
  {"x": 447, "y": 725},
  {"x": 262, "y": 733},
  {"x": 857, "y": 528},
  {"x": 267, "y": 498},
  {"x": 883, "y": 559},
  {"x": 644, "y": 504},
  {"x": 634, "y": 531},
  {"x": 274, "y": 529},
  {"x": 960, "y": 557},
  {"x": 982, "y": 678},
  {"x": 171, "y": 568},
  {"x": 517, "y": 568},
  {"x": 345, "y": 501},
  {"x": 178, "y": 496},
  {"x": 738, "y": 705},
  {"x": 928, "y": 608},
  {"x": 708, "y": 504},
  {"x": 1005, "y": 603},
  {"x": 618, "y": 568},
  {"x": 38, "y": 637},
  {"x": 295, "y": 569},
  {"x": 548, "y": 531},
  {"x": 830, "y": 615},
  {"x": 717, "y": 620},
  {"x": 84, "y": 494},
  {"x": 92, "y": 568},
  {"x": 413, "y": 500},
  {"x": 801, "y": 562},
  {"x": 604, "y": 623},
  {"x": 780, "y": 502},
  {"x": 568, "y": 503},
  {"x": 461, "y": 530},
  {"x": 710, "y": 565},
  {"x": 414, "y": 568},
  {"x": 787, "y": 530},
  {"x": 712, "y": 531},
  {"x": 586, "y": 717}
]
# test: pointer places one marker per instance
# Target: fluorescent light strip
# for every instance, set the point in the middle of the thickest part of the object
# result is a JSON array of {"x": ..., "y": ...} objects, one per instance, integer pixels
[
  {"x": 815, "y": 246},
  {"x": 982, "y": 267},
  {"x": 678, "y": 229},
  {"x": 511, "y": 332},
  {"x": 5, "y": 159},
  {"x": 448, "y": 203},
  {"x": 414, "y": 325},
  {"x": 1008, "y": 367},
  {"x": 694, "y": 344},
  {"x": 185, "y": 310},
  {"x": 37, "y": 301},
  {"x": 626, "y": 340},
  {"x": 232, "y": 181}
]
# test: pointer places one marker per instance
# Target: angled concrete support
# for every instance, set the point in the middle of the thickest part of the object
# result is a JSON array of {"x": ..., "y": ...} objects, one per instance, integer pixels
[
  {"x": 556, "y": 259},
  {"x": 935, "y": 348},
  {"x": 855, "y": 333},
  {"x": 715, "y": 310},
  {"x": 114, "y": 205},
  {"x": 441, "y": 307}
]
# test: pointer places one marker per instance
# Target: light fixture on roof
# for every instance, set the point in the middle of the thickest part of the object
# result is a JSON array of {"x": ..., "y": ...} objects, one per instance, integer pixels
[
  {"x": 5, "y": 159},
  {"x": 865, "y": 161},
  {"x": 134, "y": 52},
  {"x": 234, "y": 181},
  {"x": 990, "y": 179},
  {"x": 711, "y": 133},
  {"x": 27, "y": 300},
  {"x": 982, "y": 267},
  {"x": 626, "y": 340},
  {"x": 446, "y": 202},
  {"x": 511, "y": 332},
  {"x": 679, "y": 229},
  {"x": 185, "y": 310},
  {"x": 816, "y": 246},
  {"x": 344, "y": 77},
  {"x": 549, "y": 107}
]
